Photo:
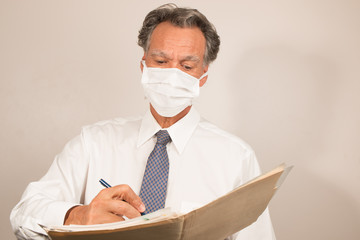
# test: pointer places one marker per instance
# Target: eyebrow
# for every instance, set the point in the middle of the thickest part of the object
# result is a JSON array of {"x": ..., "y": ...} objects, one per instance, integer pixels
[
  {"x": 192, "y": 58},
  {"x": 159, "y": 53}
]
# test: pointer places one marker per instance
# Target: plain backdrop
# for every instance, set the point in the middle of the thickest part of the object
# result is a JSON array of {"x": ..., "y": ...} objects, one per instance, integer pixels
[{"x": 286, "y": 80}]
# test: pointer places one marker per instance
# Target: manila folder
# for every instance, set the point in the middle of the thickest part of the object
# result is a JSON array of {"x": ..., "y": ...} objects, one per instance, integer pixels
[{"x": 214, "y": 221}]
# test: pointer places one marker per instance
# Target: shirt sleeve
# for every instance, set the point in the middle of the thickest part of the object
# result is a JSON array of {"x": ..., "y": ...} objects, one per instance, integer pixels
[
  {"x": 47, "y": 200},
  {"x": 262, "y": 229}
]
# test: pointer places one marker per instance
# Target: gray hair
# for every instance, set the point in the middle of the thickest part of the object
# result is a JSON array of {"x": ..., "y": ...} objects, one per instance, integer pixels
[{"x": 181, "y": 17}]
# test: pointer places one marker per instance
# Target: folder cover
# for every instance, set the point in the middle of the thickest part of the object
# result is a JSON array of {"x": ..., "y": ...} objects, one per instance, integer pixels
[{"x": 214, "y": 221}]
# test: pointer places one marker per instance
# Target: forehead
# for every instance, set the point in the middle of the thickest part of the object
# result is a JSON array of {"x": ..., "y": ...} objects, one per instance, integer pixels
[{"x": 177, "y": 41}]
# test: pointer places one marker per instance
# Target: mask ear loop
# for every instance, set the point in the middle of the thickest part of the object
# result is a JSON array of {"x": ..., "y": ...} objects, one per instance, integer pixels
[{"x": 204, "y": 75}]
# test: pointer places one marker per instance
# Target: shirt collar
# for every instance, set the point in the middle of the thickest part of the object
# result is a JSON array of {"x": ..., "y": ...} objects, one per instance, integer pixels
[{"x": 180, "y": 132}]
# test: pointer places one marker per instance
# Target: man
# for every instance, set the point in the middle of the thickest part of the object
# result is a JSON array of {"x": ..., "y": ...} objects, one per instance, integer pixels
[{"x": 198, "y": 162}]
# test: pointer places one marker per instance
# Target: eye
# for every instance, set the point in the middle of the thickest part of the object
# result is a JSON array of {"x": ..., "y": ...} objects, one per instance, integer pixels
[
  {"x": 160, "y": 62},
  {"x": 187, "y": 67}
]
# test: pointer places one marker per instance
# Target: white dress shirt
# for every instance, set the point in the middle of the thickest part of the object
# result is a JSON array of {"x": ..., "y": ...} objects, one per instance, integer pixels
[{"x": 205, "y": 163}]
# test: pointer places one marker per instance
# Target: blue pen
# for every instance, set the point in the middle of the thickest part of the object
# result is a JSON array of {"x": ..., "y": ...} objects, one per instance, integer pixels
[{"x": 104, "y": 183}]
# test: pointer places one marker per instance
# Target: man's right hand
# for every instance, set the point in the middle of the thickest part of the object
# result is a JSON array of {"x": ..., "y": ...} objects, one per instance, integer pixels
[{"x": 110, "y": 205}]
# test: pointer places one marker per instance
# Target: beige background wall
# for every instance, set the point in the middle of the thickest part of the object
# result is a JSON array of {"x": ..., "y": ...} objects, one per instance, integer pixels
[{"x": 287, "y": 80}]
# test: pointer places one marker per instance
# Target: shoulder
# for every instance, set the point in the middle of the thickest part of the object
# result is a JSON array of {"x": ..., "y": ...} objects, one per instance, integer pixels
[
  {"x": 121, "y": 125},
  {"x": 215, "y": 134},
  {"x": 114, "y": 123}
]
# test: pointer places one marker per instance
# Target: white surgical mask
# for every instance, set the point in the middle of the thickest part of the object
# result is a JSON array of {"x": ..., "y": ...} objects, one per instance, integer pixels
[{"x": 169, "y": 90}]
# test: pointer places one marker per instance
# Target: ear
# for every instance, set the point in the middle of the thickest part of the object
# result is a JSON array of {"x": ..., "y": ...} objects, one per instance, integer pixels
[
  {"x": 141, "y": 65},
  {"x": 204, "y": 79}
]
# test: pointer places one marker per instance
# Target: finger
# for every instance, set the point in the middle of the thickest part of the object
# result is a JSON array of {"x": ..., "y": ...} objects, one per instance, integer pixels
[
  {"x": 122, "y": 208},
  {"x": 106, "y": 218},
  {"x": 110, "y": 201},
  {"x": 93, "y": 214},
  {"x": 124, "y": 192}
]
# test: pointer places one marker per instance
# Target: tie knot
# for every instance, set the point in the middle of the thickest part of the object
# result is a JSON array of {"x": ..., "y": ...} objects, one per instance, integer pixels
[{"x": 162, "y": 137}]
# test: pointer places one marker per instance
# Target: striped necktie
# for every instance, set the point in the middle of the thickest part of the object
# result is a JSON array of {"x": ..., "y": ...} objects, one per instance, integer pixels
[{"x": 154, "y": 183}]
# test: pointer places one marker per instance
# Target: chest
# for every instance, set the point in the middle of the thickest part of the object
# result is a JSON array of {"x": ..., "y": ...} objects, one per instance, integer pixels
[{"x": 196, "y": 176}]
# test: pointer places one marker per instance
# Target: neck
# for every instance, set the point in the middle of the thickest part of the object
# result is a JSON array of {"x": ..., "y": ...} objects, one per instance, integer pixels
[{"x": 166, "y": 122}]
